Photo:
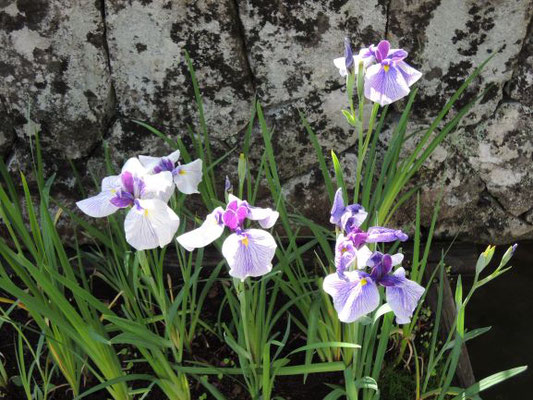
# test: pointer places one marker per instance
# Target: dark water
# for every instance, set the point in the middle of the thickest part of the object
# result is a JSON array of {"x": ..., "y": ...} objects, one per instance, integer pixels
[{"x": 506, "y": 304}]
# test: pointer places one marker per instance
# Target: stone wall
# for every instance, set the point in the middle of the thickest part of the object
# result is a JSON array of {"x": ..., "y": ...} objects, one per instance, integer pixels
[{"x": 82, "y": 70}]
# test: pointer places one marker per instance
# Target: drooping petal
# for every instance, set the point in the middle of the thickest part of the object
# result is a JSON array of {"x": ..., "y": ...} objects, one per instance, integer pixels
[
  {"x": 149, "y": 224},
  {"x": 402, "y": 295},
  {"x": 98, "y": 206},
  {"x": 384, "y": 84},
  {"x": 397, "y": 55},
  {"x": 353, "y": 297},
  {"x": 249, "y": 253},
  {"x": 210, "y": 230},
  {"x": 410, "y": 74},
  {"x": 158, "y": 186},
  {"x": 265, "y": 216},
  {"x": 188, "y": 176},
  {"x": 379, "y": 234},
  {"x": 338, "y": 208}
]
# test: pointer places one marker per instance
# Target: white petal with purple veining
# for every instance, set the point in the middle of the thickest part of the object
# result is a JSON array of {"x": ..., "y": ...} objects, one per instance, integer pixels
[
  {"x": 384, "y": 86},
  {"x": 249, "y": 253},
  {"x": 210, "y": 230},
  {"x": 403, "y": 297},
  {"x": 189, "y": 176},
  {"x": 98, "y": 206},
  {"x": 150, "y": 162},
  {"x": 352, "y": 298},
  {"x": 151, "y": 225},
  {"x": 410, "y": 74}
]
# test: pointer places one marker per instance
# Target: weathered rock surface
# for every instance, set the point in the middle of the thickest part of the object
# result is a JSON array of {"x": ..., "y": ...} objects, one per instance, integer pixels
[
  {"x": 86, "y": 69},
  {"x": 54, "y": 66}
]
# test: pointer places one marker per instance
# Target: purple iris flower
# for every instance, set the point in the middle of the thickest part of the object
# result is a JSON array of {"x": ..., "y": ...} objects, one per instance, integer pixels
[
  {"x": 187, "y": 177},
  {"x": 249, "y": 252},
  {"x": 346, "y": 217},
  {"x": 356, "y": 293},
  {"x": 149, "y": 222},
  {"x": 390, "y": 78}
]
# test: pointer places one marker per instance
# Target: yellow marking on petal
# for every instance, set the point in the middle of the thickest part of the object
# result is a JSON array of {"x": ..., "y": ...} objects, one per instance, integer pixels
[
  {"x": 145, "y": 213},
  {"x": 386, "y": 68},
  {"x": 245, "y": 241},
  {"x": 182, "y": 172},
  {"x": 113, "y": 191},
  {"x": 344, "y": 250},
  {"x": 363, "y": 282}
]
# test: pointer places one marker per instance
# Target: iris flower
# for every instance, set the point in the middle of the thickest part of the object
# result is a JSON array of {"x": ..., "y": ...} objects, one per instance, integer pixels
[
  {"x": 149, "y": 222},
  {"x": 390, "y": 78},
  {"x": 356, "y": 293},
  {"x": 349, "y": 218},
  {"x": 187, "y": 177},
  {"x": 248, "y": 252}
]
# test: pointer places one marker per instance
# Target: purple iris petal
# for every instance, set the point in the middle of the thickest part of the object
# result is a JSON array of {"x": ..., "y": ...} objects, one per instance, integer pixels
[
  {"x": 345, "y": 255},
  {"x": 397, "y": 55},
  {"x": 382, "y": 50},
  {"x": 353, "y": 217},
  {"x": 410, "y": 74},
  {"x": 348, "y": 55},
  {"x": 381, "y": 265},
  {"x": 402, "y": 295},
  {"x": 235, "y": 214},
  {"x": 231, "y": 220},
  {"x": 338, "y": 208},
  {"x": 122, "y": 199},
  {"x": 379, "y": 234},
  {"x": 354, "y": 297},
  {"x": 128, "y": 182},
  {"x": 228, "y": 187},
  {"x": 384, "y": 83},
  {"x": 249, "y": 253},
  {"x": 164, "y": 165}
]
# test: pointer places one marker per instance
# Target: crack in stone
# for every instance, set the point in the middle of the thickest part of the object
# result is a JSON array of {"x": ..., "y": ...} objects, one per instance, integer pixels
[
  {"x": 113, "y": 96},
  {"x": 242, "y": 36},
  {"x": 387, "y": 18}
]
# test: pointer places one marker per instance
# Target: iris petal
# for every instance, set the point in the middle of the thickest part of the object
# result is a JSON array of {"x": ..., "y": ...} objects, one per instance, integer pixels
[
  {"x": 150, "y": 225},
  {"x": 403, "y": 295},
  {"x": 249, "y": 253},
  {"x": 210, "y": 230},
  {"x": 352, "y": 298},
  {"x": 385, "y": 84}
]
